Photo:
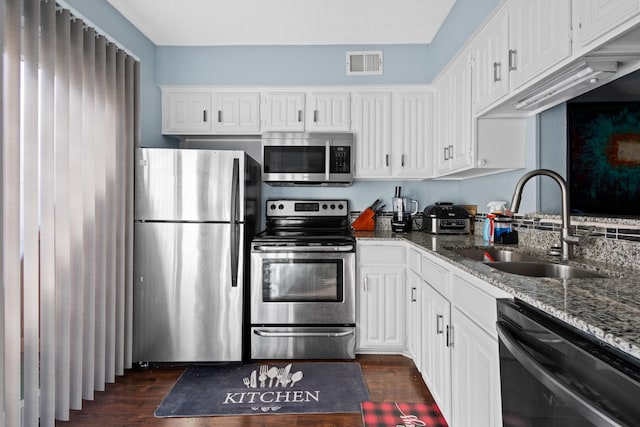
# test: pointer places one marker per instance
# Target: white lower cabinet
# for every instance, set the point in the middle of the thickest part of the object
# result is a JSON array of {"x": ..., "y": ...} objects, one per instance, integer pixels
[
  {"x": 381, "y": 298},
  {"x": 475, "y": 379},
  {"x": 413, "y": 319}
]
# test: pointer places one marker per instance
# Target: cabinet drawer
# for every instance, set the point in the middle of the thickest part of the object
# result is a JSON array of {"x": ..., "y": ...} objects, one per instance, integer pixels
[
  {"x": 437, "y": 276},
  {"x": 475, "y": 304},
  {"x": 380, "y": 255},
  {"x": 414, "y": 260}
]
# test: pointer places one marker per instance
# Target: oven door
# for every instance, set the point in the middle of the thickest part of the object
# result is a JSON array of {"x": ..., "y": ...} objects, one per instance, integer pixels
[{"x": 302, "y": 285}]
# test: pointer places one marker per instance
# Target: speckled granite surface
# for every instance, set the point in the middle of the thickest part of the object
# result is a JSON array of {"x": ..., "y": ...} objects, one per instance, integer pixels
[{"x": 607, "y": 308}]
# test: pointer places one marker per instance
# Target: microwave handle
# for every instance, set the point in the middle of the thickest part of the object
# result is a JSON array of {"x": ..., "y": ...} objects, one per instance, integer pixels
[{"x": 327, "y": 159}]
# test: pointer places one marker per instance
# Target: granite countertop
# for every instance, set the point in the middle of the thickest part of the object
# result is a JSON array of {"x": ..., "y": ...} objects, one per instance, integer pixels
[{"x": 607, "y": 308}]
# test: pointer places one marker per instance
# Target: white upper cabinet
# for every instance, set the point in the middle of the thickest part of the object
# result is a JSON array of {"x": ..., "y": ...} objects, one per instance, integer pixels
[
  {"x": 371, "y": 113},
  {"x": 236, "y": 112},
  {"x": 412, "y": 155},
  {"x": 490, "y": 61},
  {"x": 539, "y": 37},
  {"x": 453, "y": 139},
  {"x": 283, "y": 111},
  {"x": 186, "y": 111},
  {"x": 593, "y": 19},
  {"x": 328, "y": 112}
]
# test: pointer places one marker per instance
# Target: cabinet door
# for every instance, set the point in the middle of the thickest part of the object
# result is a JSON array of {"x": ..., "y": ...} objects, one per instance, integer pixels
[
  {"x": 539, "y": 37},
  {"x": 436, "y": 355},
  {"x": 372, "y": 133},
  {"x": 328, "y": 111},
  {"x": 592, "y": 19},
  {"x": 460, "y": 152},
  {"x": 413, "y": 124},
  {"x": 283, "y": 112},
  {"x": 186, "y": 112},
  {"x": 413, "y": 321},
  {"x": 476, "y": 375},
  {"x": 236, "y": 112},
  {"x": 490, "y": 64},
  {"x": 381, "y": 310}
]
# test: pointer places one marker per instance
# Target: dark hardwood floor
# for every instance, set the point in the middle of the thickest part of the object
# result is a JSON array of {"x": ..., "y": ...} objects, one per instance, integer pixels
[{"x": 132, "y": 400}]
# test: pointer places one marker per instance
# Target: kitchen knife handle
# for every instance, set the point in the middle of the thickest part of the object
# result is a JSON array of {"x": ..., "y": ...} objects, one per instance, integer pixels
[{"x": 235, "y": 227}]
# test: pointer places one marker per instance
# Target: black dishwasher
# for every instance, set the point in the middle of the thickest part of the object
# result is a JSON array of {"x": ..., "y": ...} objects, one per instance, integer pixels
[{"x": 552, "y": 374}]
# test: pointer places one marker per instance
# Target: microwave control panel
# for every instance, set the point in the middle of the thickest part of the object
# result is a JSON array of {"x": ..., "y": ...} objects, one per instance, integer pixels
[{"x": 340, "y": 159}]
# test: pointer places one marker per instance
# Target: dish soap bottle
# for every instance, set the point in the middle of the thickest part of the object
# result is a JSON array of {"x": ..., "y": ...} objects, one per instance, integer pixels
[{"x": 495, "y": 208}]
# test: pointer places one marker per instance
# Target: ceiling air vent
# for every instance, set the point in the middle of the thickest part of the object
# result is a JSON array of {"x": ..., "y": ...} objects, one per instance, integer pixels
[{"x": 364, "y": 63}]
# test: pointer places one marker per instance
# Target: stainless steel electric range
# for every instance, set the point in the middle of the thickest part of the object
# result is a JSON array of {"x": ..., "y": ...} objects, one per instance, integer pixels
[{"x": 303, "y": 282}]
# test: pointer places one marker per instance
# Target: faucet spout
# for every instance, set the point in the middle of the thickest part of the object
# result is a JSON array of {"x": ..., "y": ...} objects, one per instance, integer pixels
[{"x": 566, "y": 238}]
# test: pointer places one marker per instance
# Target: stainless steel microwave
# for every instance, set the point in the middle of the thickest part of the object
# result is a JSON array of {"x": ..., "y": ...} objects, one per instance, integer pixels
[{"x": 294, "y": 158}]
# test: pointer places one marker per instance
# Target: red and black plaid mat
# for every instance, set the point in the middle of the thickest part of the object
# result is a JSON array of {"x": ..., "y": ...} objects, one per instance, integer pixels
[{"x": 394, "y": 414}]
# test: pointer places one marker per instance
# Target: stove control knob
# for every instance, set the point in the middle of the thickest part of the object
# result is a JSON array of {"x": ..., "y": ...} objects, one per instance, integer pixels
[
  {"x": 281, "y": 206},
  {"x": 273, "y": 207},
  {"x": 324, "y": 206},
  {"x": 340, "y": 206},
  {"x": 333, "y": 206}
]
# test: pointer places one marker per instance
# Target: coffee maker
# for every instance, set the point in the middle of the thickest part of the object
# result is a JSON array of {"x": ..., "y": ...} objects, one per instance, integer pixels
[{"x": 401, "y": 221}]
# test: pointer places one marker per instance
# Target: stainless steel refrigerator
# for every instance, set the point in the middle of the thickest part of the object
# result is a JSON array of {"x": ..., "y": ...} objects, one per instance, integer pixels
[{"x": 195, "y": 214}]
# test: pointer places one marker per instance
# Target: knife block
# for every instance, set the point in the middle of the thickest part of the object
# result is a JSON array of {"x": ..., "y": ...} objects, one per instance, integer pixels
[{"x": 365, "y": 221}]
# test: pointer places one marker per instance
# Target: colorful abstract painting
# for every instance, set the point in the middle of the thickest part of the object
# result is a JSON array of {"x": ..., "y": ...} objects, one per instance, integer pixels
[{"x": 604, "y": 158}]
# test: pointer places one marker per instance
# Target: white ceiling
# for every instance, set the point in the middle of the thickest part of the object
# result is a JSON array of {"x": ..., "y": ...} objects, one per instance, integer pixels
[{"x": 285, "y": 22}]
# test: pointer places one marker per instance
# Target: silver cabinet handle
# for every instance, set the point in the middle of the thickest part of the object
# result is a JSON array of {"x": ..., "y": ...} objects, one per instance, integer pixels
[
  {"x": 449, "y": 336},
  {"x": 303, "y": 334},
  {"x": 402, "y": 160},
  {"x": 451, "y": 152},
  {"x": 204, "y": 116},
  {"x": 315, "y": 116},
  {"x": 413, "y": 294},
  {"x": 439, "y": 322},
  {"x": 386, "y": 159},
  {"x": 512, "y": 59},
  {"x": 446, "y": 153},
  {"x": 366, "y": 284},
  {"x": 496, "y": 72},
  {"x": 299, "y": 115},
  {"x": 219, "y": 116}
]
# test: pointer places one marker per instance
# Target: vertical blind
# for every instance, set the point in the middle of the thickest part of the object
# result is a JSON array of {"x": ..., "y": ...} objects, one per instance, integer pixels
[{"x": 69, "y": 122}]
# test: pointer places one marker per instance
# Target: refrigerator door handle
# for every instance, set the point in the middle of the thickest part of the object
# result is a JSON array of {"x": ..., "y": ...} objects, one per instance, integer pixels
[{"x": 235, "y": 229}]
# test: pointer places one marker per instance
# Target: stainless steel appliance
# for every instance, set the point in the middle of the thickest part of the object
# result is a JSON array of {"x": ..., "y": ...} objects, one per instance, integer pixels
[
  {"x": 303, "y": 282},
  {"x": 195, "y": 214},
  {"x": 323, "y": 159},
  {"x": 446, "y": 218},
  {"x": 555, "y": 375}
]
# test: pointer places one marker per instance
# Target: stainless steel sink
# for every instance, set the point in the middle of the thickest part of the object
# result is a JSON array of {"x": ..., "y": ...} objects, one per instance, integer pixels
[
  {"x": 492, "y": 254},
  {"x": 544, "y": 269}
]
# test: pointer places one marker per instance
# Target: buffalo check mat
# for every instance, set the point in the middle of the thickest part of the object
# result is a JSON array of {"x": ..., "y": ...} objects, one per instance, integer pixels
[{"x": 394, "y": 414}]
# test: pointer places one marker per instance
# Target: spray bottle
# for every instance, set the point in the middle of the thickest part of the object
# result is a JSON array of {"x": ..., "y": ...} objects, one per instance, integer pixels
[{"x": 495, "y": 208}]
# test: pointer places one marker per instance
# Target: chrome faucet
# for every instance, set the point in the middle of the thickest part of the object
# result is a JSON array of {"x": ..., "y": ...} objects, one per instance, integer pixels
[{"x": 566, "y": 238}]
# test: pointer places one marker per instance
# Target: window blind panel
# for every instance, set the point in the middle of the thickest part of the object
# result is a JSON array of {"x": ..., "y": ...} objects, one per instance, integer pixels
[
  {"x": 120, "y": 196},
  {"x": 101, "y": 143},
  {"x": 31, "y": 258},
  {"x": 47, "y": 225},
  {"x": 62, "y": 214},
  {"x": 89, "y": 213},
  {"x": 11, "y": 321},
  {"x": 111, "y": 208},
  {"x": 76, "y": 284}
]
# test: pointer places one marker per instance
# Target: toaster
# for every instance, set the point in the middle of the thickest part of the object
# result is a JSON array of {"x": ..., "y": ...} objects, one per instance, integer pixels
[{"x": 446, "y": 218}]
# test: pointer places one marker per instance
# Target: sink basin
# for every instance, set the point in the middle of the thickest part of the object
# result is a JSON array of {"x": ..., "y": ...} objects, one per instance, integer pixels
[
  {"x": 491, "y": 253},
  {"x": 544, "y": 269}
]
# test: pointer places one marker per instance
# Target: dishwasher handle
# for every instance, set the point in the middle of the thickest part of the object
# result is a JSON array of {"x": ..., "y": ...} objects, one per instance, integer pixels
[{"x": 570, "y": 396}]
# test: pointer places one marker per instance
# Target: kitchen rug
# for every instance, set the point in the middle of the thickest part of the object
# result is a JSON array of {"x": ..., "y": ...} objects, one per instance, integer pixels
[
  {"x": 282, "y": 388},
  {"x": 394, "y": 414}
]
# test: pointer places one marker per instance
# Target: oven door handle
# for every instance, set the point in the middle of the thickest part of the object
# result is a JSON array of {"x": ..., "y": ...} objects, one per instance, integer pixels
[
  {"x": 535, "y": 368},
  {"x": 268, "y": 334},
  {"x": 267, "y": 248}
]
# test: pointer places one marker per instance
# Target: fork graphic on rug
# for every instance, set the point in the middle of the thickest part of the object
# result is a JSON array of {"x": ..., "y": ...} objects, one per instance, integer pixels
[{"x": 277, "y": 377}]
